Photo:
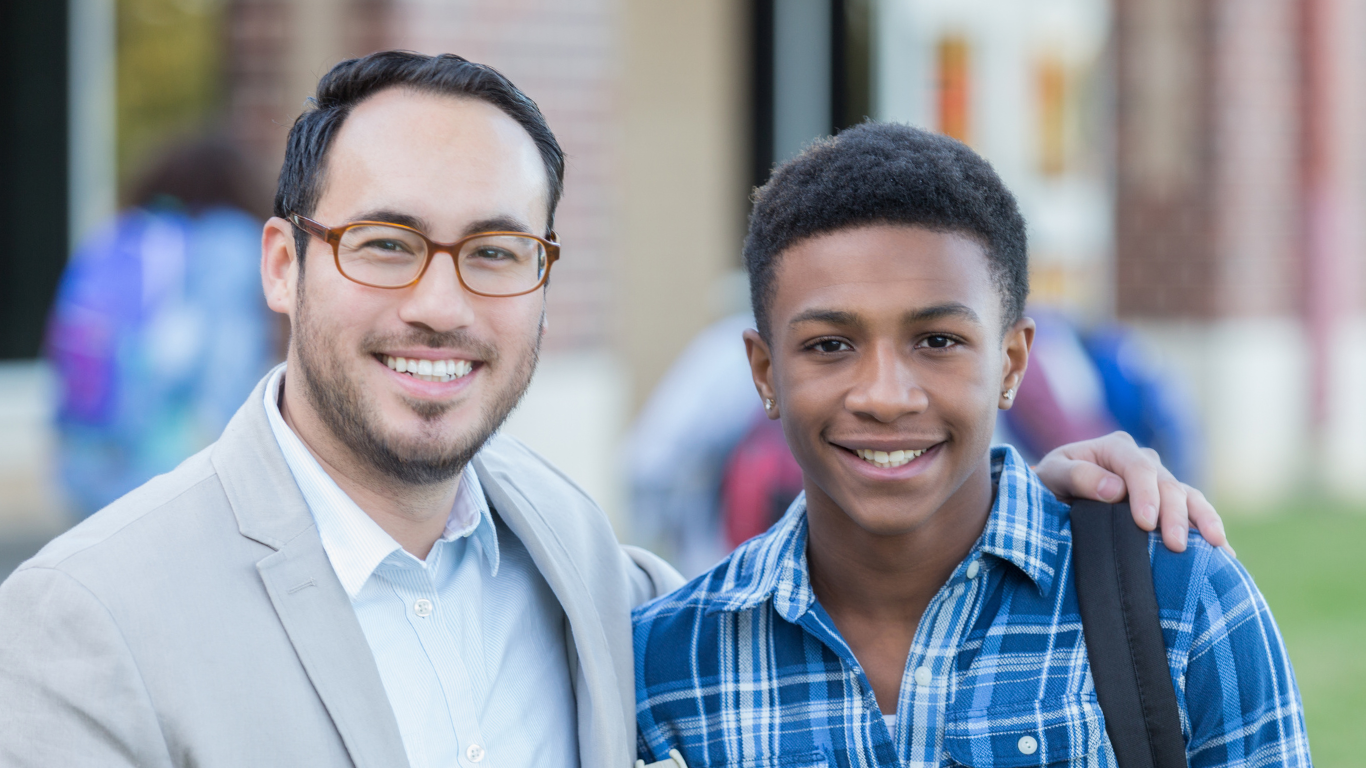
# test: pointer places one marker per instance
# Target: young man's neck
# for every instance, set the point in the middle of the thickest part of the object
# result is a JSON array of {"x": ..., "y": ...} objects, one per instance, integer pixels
[
  {"x": 415, "y": 516},
  {"x": 877, "y": 587}
]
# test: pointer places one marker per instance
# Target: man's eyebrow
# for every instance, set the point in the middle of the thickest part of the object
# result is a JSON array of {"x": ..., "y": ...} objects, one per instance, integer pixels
[
  {"x": 498, "y": 224},
  {"x": 831, "y": 316},
  {"x": 939, "y": 311},
  {"x": 394, "y": 217},
  {"x": 491, "y": 224}
]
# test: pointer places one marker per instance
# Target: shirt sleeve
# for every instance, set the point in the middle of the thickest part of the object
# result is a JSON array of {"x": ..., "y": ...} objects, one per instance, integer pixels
[
  {"x": 1242, "y": 703},
  {"x": 70, "y": 691}
]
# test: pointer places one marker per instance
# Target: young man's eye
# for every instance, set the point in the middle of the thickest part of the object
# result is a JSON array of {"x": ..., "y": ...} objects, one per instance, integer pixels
[
  {"x": 938, "y": 341},
  {"x": 830, "y": 346}
]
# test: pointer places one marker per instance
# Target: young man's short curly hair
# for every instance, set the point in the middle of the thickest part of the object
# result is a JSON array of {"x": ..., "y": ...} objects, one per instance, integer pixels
[{"x": 886, "y": 173}]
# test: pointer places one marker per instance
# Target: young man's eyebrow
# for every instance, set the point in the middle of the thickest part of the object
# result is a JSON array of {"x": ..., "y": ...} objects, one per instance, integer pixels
[
  {"x": 939, "y": 311},
  {"x": 831, "y": 316}
]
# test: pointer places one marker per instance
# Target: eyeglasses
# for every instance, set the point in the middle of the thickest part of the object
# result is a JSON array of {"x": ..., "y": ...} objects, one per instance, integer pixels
[{"x": 383, "y": 255}]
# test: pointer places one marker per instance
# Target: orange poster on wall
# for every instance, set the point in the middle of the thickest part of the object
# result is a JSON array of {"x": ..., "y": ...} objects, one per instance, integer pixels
[{"x": 955, "y": 92}]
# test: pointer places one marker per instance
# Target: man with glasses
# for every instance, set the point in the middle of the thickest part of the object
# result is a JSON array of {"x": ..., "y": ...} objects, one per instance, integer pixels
[{"x": 360, "y": 571}]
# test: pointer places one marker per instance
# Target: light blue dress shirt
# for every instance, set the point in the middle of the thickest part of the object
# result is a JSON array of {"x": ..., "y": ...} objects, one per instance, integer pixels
[{"x": 470, "y": 643}]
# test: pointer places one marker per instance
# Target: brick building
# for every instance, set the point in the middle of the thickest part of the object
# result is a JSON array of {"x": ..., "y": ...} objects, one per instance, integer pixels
[{"x": 1239, "y": 246}]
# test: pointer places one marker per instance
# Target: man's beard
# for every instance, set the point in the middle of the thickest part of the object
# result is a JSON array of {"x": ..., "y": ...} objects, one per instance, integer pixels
[{"x": 340, "y": 402}]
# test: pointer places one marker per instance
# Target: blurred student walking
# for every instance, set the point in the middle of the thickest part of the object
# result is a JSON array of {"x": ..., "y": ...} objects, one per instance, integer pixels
[{"x": 159, "y": 329}]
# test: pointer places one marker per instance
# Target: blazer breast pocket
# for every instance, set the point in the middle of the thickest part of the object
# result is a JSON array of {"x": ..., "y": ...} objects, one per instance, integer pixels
[{"x": 1059, "y": 731}]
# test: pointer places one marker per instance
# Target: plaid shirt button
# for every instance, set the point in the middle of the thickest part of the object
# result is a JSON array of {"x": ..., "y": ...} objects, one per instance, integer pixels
[{"x": 1028, "y": 745}]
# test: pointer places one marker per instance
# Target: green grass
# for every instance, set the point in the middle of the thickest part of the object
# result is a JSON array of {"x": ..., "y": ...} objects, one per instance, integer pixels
[{"x": 1308, "y": 563}]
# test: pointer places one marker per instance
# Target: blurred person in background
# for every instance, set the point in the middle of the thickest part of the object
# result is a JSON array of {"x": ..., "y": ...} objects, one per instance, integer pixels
[
  {"x": 159, "y": 328},
  {"x": 1085, "y": 382}
]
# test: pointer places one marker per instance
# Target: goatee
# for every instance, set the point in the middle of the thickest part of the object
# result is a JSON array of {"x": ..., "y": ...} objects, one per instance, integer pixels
[{"x": 342, "y": 406}]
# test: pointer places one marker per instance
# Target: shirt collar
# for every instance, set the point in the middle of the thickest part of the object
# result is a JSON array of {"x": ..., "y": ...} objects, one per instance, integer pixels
[
  {"x": 1021, "y": 530},
  {"x": 354, "y": 542}
]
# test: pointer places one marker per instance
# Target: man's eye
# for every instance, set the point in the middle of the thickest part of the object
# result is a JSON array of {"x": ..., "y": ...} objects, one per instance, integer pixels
[
  {"x": 830, "y": 346},
  {"x": 938, "y": 342},
  {"x": 489, "y": 253},
  {"x": 389, "y": 246}
]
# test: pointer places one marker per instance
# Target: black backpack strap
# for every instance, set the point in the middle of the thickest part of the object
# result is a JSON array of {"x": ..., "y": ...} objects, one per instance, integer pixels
[{"x": 1123, "y": 634}]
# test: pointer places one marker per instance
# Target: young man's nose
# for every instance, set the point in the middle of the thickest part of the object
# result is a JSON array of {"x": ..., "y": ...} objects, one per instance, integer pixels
[
  {"x": 438, "y": 301},
  {"x": 885, "y": 387}
]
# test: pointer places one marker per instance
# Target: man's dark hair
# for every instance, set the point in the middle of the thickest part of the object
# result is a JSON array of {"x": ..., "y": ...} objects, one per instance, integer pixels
[
  {"x": 885, "y": 173},
  {"x": 354, "y": 80}
]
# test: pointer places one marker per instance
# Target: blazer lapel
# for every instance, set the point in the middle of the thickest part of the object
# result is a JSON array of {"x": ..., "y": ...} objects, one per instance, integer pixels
[
  {"x": 317, "y": 615},
  {"x": 311, "y": 603},
  {"x": 603, "y": 684}
]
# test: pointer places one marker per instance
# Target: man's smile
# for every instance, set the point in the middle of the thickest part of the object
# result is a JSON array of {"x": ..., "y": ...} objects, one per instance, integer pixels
[{"x": 427, "y": 369}]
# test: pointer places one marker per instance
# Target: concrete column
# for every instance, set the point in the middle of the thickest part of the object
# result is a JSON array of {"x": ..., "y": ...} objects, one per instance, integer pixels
[{"x": 1333, "y": 172}]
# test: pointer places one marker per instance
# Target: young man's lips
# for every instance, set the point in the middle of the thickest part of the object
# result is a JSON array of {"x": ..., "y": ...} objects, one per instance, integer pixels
[{"x": 883, "y": 456}]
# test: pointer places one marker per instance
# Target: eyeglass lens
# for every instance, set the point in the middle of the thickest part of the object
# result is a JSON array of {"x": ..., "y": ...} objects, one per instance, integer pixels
[{"x": 393, "y": 256}]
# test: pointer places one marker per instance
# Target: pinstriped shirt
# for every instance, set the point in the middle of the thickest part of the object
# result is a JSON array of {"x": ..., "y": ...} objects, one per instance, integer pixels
[
  {"x": 743, "y": 667},
  {"x": 469, "y": 643}
]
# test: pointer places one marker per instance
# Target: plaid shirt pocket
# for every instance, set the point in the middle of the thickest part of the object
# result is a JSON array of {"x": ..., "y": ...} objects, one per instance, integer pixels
[{"x": 1065, "y": 730}]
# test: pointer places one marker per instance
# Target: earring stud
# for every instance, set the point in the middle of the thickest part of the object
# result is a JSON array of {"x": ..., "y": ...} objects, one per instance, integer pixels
[
  {"x": 768, "y": 403},
  {"x": 1009, "y": 394}
]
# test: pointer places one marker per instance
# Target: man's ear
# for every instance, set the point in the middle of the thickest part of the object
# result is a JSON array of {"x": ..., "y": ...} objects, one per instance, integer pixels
[
  {"x": 279, "y": 265},
  {"x": 1014, "y": 359},
  {"x": 761, "y": 368}
]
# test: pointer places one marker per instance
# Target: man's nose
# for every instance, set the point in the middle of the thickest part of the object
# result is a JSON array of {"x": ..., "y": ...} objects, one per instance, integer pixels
[
  {"x": 885, "y": 386},
  {"x": 438, "y": 301}
]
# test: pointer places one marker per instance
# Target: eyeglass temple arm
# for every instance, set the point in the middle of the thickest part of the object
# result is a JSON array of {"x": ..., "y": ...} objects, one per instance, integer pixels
[{"x": 312, "y": 227}]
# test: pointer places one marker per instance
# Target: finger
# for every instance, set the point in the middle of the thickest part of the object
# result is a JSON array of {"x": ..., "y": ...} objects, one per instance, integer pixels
[
  {"x": 1141, "y": 475},
  {"x": 1074, "y": 478},
  {"x": 1174, "y": 517},
  {"x": 1205, "y": 519}
]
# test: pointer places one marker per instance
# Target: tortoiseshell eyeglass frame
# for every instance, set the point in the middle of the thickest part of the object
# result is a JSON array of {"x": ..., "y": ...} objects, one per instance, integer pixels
[{"x": 333, "y": 237}]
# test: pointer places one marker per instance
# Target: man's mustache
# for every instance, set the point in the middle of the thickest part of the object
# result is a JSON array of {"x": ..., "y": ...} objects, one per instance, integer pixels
[{"x": 457, "y": 341}]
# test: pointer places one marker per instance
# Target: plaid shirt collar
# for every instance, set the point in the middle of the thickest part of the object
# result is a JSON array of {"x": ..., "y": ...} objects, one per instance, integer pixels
[{"x": 1019, "y": 531}]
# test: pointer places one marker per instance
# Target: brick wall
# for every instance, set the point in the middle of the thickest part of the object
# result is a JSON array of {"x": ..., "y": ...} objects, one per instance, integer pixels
[{"x": 1208, "y": 158}]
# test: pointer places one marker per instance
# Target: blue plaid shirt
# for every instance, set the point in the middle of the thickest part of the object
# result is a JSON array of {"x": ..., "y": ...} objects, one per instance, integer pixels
[{"x": 742, "y": 667}]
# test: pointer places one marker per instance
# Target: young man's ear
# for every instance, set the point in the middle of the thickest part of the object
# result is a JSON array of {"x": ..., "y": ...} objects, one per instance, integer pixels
[
  {"x": 1014, "y": 359},
  {"x": 761, "y": 368},
  {"x": 279, "y": 267}
]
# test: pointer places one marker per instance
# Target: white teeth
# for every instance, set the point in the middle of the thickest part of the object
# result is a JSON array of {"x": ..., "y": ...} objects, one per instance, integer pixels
[
  {"x": 430, "y": 370},
  {"x": 886, "y": 459}
]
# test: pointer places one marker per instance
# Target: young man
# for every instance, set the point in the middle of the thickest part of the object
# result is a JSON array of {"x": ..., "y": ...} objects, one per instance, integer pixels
[
  {"x": 360, "y": 571},
  {"x": 916, "y": 605}
]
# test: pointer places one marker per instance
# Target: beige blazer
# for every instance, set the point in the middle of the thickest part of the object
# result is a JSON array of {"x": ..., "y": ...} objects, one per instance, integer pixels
[{"x": 198, "y": 622}]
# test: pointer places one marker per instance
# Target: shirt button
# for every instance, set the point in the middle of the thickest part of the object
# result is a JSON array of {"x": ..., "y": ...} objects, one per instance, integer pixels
[
  {"x": 974, "y": 568},
  {"x": 923, "y": 676},
  {"x": 1028, "y": 745},
  {"x": 475, "y": 753},
  {"x": 423, "y": 607}
]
